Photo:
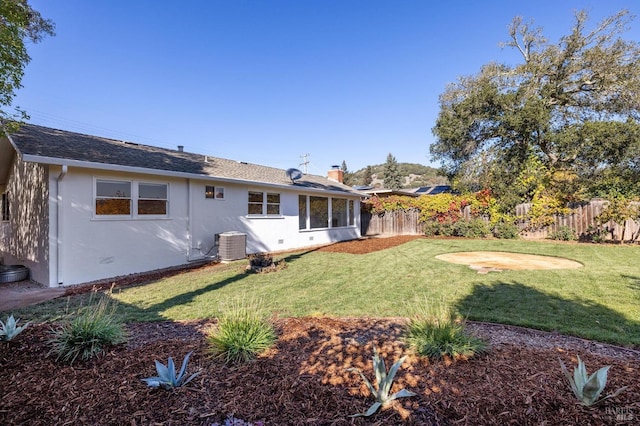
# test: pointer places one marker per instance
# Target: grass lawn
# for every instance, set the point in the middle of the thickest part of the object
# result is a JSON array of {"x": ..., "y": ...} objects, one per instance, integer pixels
[{"x": 599, "y": 301}]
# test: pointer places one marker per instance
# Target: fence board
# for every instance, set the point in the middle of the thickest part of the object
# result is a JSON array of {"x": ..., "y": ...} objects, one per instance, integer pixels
[
  {"x": 391, "y": 223},
  {"x": 582, "y": 217}
]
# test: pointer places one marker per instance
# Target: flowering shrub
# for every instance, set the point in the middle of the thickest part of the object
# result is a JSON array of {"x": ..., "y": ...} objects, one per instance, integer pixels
[
  {"x": 380, "y": 205},
  {"x": 543, "y": 210},
  {"x": 442, "y": 208}
]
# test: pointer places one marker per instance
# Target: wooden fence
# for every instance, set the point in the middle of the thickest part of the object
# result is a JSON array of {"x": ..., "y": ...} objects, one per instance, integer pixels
[
  {"x": 581, "y": 220},
  {"x": 399, "y": 222}
]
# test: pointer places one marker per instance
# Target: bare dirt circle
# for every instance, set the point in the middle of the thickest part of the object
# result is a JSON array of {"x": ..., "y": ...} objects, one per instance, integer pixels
[{"x": 489, "y": 261}]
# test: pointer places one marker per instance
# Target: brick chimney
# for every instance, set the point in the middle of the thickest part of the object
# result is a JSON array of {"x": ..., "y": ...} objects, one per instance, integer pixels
[{"x": 336, "y": 174}]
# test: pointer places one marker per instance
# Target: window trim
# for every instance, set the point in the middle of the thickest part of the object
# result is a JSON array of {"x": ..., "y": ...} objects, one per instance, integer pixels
[
  {"x": 215, "y": 191},
  {"x": 133, "y": 199},
  {"x": 265, "y": 204},
  {"x": 350, "y": 213}
]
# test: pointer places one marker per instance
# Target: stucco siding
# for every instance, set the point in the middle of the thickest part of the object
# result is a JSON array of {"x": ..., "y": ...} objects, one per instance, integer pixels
[
  {"x": 93, "y": 247},
  {"x": 264, "y": 233},
  {"x": 26, "y": 239}
]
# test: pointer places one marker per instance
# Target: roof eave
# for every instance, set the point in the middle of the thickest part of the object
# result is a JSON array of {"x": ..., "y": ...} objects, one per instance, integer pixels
[{"x": 142, "y": 170}]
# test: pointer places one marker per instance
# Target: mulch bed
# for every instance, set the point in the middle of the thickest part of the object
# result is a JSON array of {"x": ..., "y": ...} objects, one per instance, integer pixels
[{"x": 303, "y": 379}]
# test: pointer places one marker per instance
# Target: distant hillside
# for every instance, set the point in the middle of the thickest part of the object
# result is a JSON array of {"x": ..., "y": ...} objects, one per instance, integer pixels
[{"x": 414, "y": 175}]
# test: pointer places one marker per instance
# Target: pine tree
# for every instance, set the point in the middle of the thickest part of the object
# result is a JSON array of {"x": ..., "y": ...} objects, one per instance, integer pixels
[
  {"x": 347, "y": 177},
  {"x": 392, "y": 178},
  {"x": 367, "y": 177}
]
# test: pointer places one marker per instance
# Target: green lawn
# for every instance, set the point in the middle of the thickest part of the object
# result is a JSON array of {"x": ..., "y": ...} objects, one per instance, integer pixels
[{"x": 599, "y": 301}]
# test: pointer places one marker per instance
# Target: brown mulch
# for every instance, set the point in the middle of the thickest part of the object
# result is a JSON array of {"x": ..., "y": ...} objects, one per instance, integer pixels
[
  {"x": 368, "y": 245},
  {"x": 303, "y": 379}
]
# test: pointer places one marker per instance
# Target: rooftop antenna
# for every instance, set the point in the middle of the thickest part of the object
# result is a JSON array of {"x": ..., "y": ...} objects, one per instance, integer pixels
[{"x": 305, "y": 162}]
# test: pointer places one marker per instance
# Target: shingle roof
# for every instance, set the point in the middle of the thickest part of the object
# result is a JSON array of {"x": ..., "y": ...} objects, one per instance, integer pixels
[{"x": 50, "y": 143}]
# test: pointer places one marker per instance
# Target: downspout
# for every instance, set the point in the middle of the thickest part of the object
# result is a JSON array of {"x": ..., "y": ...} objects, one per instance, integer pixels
[
  {"x": 61, "y": 176},
  {"x": 189, "y": 223}
]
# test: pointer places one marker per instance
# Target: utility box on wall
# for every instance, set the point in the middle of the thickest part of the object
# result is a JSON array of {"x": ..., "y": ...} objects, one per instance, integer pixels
[{"x": 232, "y": 245}]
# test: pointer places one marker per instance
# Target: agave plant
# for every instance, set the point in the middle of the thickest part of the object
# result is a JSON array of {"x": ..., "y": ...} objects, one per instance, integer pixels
[
  {"x": 167, "y": 377},
  {"x": 384, "y": 382},
  {"x": 588, "y": 388},
  {"x": 10, "y": 329}
]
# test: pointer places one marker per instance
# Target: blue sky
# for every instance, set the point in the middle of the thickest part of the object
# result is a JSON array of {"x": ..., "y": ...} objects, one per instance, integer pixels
[{"x": 269, "y": 81}]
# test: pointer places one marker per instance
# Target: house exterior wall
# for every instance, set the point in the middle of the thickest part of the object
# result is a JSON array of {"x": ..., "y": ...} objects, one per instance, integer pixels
[
  {"x": 25, "y": 236},
  {"x": 264, "y": 233},
  {"x": 92, "y": 247},
  {"x": 55, "y": 232}
]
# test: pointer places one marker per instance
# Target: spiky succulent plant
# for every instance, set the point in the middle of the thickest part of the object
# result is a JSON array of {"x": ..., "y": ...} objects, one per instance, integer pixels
[
  {"x": 167, "y": 377},
  {"x": 384, "y": 382},
  {"x": 10, "y": 329},
  {"x": 588, "y": 388}
]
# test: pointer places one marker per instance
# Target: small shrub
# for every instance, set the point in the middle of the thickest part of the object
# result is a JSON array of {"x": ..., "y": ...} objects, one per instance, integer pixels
[
  {"x": 506, "y": 231},
  {"x": 436, "y": 333},
  {"x": 588, "y": 388},
  {"x": 243, "y": 332},
  {"x": 594, "y": 235},
  {"x": 10, "y": 329},
  {"x": 430, "y": 228},
  {"x": 474, "y": 228},
  {"x": 89, "y": 332},
  {"x": 167, "y": 377},
  {"x": 384, "y": 381},
  {"x": 563, "y": 233},
  {"x": 261, "y": 263}
]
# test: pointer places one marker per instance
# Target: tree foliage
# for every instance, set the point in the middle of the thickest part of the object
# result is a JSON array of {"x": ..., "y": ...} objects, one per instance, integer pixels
[
  {"x": 367, "y": 176},
  {"x": 392, "y": 178},
  {"x": 19, "y": 24},
  {"x": 347, "y": 176},
  {"x": 572, "y": 108}
]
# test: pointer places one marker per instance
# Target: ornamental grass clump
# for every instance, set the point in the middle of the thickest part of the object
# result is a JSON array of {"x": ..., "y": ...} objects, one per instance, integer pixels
[
  {"x": 436, "y": 333},
  {"x": 87, "y": 334},
  {"x": 242, "y": 333}
]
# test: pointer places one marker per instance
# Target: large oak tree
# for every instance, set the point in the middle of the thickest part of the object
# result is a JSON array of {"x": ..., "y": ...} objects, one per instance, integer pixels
[{"x": 570, "y": 109}]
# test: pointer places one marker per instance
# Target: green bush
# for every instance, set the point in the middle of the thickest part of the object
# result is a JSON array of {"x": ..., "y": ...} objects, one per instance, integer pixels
[
  {"x": 242, "y": 333},
  {"x": 506, "y": 231},
  {"x": 474, "y": 228},
  {"x": 594, "y": 235},
  {"x": 436, "y": 333},
  {"x": 89, "y": 332},
  {"x": 563, "y": 233}
]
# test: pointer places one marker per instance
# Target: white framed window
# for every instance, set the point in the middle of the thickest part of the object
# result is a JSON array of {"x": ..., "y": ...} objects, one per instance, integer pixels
[
  {"x": 214, "y": 192},
  {"x": 325, "y": 212},
  {"x": 264, "y": 203},
  {"x": 131, "y": 199},
  {"x": 152, "y": 198},
  {"x": 113, "y": 198}
]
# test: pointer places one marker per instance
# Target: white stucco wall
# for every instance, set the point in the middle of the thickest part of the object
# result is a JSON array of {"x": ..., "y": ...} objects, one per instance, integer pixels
[
  {"x": 76, "y": 246},
  {"x": 92, "y": 247},
  {"x": 264, "y": 234}
]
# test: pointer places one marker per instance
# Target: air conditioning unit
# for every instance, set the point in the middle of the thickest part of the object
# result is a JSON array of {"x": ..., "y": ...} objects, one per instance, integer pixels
[{"x": 232, "y": 245}]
